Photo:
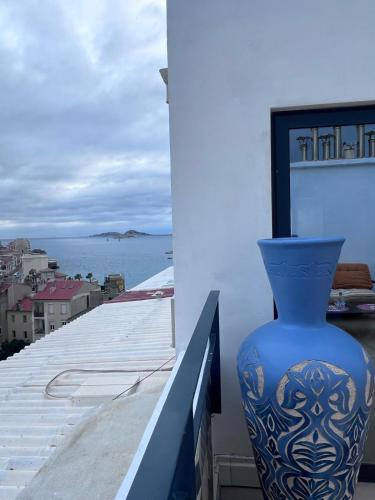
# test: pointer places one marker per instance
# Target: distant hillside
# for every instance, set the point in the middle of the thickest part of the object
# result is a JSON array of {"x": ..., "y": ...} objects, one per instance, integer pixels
[{"x": 113, "y": 234}]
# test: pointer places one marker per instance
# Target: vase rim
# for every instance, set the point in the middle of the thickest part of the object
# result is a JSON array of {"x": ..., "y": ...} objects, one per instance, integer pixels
[{"x": 296, "y": 240}]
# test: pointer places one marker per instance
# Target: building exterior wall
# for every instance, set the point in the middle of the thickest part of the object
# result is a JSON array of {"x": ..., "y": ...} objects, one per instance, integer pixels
[
  {"x": 87, "y": 297},
  {"x": 20, "y": 245},
  {"x": 57, "y": 317},
  {"x": 80, "y": 303},
  {"x": 33, "y": 261},
  {"x": 96, "y": 298},
  {"x": 230, "y": 64},
  {"x": 18, "y": 328},
  {"x": 16, "y": 292},
  {"x": 8, "y": 299},
  {"x": 3, "y": 317}
]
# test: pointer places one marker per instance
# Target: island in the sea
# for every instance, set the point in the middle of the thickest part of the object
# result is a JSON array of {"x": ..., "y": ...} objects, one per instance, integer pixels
[{"x": 113, "y": 234}]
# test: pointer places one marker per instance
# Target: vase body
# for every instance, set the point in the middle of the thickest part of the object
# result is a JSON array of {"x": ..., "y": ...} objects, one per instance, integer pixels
[{"x": 306, "y": 385}]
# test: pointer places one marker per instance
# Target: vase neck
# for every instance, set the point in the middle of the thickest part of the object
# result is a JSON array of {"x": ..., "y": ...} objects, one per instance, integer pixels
[{"x": 301, "y": 273}]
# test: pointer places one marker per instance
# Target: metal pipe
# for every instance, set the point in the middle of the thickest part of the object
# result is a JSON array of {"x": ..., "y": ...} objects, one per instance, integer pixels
[
  {"x": 371, "y": 142},
  {"x": 315, "y": 146},
  {"x": 331, "y": 136},
  {"x": 372, "y": 145},
  {"x": 360, "y": 141},
  {"x": 302, "y": 140},
  {"x": 338, "y": 147},
  {"x": 326, "y": 142}
]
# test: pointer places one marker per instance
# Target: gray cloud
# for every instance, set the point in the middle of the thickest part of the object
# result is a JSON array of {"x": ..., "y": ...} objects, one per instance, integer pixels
[{"x": 83, "y": 127}]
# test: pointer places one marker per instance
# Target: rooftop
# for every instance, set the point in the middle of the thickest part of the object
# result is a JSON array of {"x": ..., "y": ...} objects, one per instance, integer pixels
[
  {"x": 56, "y": 442},
  {"x": 59, "y": 290},
  {"x": 164, "y": 279},
  {"x": 157, "y": 293},
  {"x": 26, "y": 305}
]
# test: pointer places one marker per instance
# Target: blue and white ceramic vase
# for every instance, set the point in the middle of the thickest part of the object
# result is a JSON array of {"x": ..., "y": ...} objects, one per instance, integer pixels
[{"x": 306, "y": 385}]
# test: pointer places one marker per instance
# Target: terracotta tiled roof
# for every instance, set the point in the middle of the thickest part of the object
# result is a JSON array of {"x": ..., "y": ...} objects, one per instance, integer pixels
[
  {"x": 158, "y": 293},
  {"x": 26, "y": 305},
  {"x": 59, "y": 290}
]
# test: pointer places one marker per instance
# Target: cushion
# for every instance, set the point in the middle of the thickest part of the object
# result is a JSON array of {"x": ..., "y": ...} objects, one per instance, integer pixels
[{"x": 352, "y": 276}]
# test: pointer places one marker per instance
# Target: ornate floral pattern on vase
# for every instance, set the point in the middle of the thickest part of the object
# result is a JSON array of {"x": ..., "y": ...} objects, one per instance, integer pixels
[{"x": 307, "y": 386}]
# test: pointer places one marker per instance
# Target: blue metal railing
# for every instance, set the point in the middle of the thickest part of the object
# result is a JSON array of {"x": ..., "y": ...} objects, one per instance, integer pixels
[{"x": 167, "y": 468}]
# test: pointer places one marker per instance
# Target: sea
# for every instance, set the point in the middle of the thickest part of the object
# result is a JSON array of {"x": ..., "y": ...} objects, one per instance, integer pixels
[{"x": 136, "y": 258}]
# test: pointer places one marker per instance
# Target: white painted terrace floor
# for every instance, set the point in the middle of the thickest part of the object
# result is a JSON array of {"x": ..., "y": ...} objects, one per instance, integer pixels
[{"x": 365, "y": 491}]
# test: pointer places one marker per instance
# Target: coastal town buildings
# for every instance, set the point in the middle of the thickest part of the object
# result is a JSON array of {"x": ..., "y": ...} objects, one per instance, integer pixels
[
  {"x": 10, "y": 294},
  {"x": 20, "y": 320},
  {"x": 28, "y": 315},
  {"x": 70, "y": 440},
  {"x": 20, "y": 245},
  {"x": 10, "y": 256},
  {"x": 8, "y": 262},
  {"x": 33, "y": 261},
  {"x": 114, "y": 284},
  {"x": 61, "y": 301},
  {"x": 36, "y": 299}
]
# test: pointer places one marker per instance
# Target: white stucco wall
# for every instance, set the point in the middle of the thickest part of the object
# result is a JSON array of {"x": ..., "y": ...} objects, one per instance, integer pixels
[
  {"x": 230, "y": 63},
  {"x": 33, "y": 261}
]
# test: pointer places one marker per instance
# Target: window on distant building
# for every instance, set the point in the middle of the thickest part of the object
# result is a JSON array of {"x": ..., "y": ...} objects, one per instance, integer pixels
[
  {"x": 64, "y": 308},
  {"x": 51, "y": 327},
  {"x": 24, "y": 318},
  {"x": 50, "y": 309},
  {"x": 25, "y": 334},
  {"x": 14, "y": 333}
]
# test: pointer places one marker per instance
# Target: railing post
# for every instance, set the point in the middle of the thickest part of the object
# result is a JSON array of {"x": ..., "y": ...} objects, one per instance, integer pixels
[
  {"x": 184, "y": 482},
  {"x": 166, "y": 470},
  {"x": 215, "y": 386}
]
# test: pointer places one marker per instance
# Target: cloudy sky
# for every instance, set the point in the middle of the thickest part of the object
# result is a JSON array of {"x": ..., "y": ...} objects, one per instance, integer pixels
[{"x": 83, "y": 121}]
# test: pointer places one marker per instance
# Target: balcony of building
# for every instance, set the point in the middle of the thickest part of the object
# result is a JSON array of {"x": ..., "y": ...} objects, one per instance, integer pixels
[{"x": 38, "y": 310}]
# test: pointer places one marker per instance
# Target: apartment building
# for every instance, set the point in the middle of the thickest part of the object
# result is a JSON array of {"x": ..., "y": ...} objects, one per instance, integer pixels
[
  {"x": 61, "y": 301},
  {"x": 114, "y": 284},
  {"x": 8, "y": 263},
  {"x": 34, "y": 261},
  {"x": 19, "y": 320},
  {"x": 10, "y": 294},
  {"x": 20, "y": 245}
]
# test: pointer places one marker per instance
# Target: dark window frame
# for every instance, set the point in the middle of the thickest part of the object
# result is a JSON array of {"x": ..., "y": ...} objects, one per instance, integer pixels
[{"x": 281, "y": 123}]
